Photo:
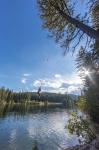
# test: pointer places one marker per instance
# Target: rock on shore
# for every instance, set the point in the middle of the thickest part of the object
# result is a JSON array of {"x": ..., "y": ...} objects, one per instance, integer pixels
[{"x": 94, "y": 145}]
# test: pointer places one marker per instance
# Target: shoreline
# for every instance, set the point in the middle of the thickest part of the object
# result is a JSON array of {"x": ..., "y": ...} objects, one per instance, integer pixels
[{"x": 94, "y": 145}]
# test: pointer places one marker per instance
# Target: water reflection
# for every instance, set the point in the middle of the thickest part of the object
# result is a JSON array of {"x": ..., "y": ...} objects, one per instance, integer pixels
[{"x": 35, "y": 128}]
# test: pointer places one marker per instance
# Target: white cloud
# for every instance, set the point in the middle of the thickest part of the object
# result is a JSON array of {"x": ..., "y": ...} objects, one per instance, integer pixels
[
  {"x": 26, "y": 74},
  {"x": 60, "y": 84},
  {"x": 75, "y": 79},
  {"x": 57, "y": 76},
  {"x": 50, "y": 83},
  {"x": 25, "y": 77},
  {"x": 23, "y": 80},
  {"x": 72, "y": 89}
]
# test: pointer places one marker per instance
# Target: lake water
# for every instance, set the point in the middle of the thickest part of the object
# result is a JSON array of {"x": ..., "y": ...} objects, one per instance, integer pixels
[{"x": 45, "y": 127}]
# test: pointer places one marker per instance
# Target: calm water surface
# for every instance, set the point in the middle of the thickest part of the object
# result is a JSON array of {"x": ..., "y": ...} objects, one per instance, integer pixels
[{"x": 46, "y": 128}]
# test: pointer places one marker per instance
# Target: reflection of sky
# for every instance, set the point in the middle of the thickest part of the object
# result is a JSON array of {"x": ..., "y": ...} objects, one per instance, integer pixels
[
  {"x": 12, "y": 141},
  {"x": 50, "y": 128},
  {"x": 17, "y": 133}
]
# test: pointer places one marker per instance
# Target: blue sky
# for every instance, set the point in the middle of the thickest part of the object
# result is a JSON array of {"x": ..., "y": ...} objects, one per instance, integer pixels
[{"x": 28, "y": 58}]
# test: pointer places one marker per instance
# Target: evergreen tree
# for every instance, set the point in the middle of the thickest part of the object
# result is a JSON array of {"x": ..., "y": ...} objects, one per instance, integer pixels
[{"x": 67, "y": 26}]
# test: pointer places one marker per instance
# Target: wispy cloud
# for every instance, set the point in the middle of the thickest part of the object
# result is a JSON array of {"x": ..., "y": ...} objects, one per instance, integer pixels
[
  {"x": 26, "y": 74},
  {"x": 60, "y": 84}
]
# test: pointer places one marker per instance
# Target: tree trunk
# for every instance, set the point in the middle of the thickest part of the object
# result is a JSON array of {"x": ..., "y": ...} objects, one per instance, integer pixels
[{"x": 83, "y": 27}]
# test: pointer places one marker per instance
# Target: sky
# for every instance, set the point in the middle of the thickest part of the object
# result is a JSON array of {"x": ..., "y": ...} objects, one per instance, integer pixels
[{"x": 28, "y": 58}]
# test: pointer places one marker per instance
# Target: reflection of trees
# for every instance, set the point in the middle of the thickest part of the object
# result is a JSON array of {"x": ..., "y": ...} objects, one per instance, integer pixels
[
  {"x": 35, "y": 147},
  {"x": 21, "y": 109},
  {"x": 5, "y": 108}
]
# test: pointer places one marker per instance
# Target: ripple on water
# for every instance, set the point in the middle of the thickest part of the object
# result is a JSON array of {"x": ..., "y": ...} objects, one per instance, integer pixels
[{"x": 47, "y": 129}]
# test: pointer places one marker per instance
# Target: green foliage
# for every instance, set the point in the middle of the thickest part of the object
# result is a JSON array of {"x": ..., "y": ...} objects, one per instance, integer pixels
[
  {"x": 95, "y": 15},
  {"x": 82, "y": 103},
  {"x": 90, "y": 61},
  {"x": 5, "y": 95},
  {"x": 79, "y": 126},
  {"x": 55, "y": 22}
]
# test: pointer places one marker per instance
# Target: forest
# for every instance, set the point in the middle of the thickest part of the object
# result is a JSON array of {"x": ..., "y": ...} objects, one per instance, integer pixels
[{"x": 8, "y": 96}]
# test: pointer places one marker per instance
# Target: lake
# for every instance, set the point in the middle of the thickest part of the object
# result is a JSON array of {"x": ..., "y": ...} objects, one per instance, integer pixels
[{"x": 20, "y": 130}]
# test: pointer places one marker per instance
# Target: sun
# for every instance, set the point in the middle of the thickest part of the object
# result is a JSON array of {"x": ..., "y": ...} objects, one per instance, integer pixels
[{"x": 87, "y": 72}]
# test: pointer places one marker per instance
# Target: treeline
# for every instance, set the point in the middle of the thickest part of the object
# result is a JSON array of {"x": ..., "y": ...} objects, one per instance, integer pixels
[{"x": 7, "y": 95}]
